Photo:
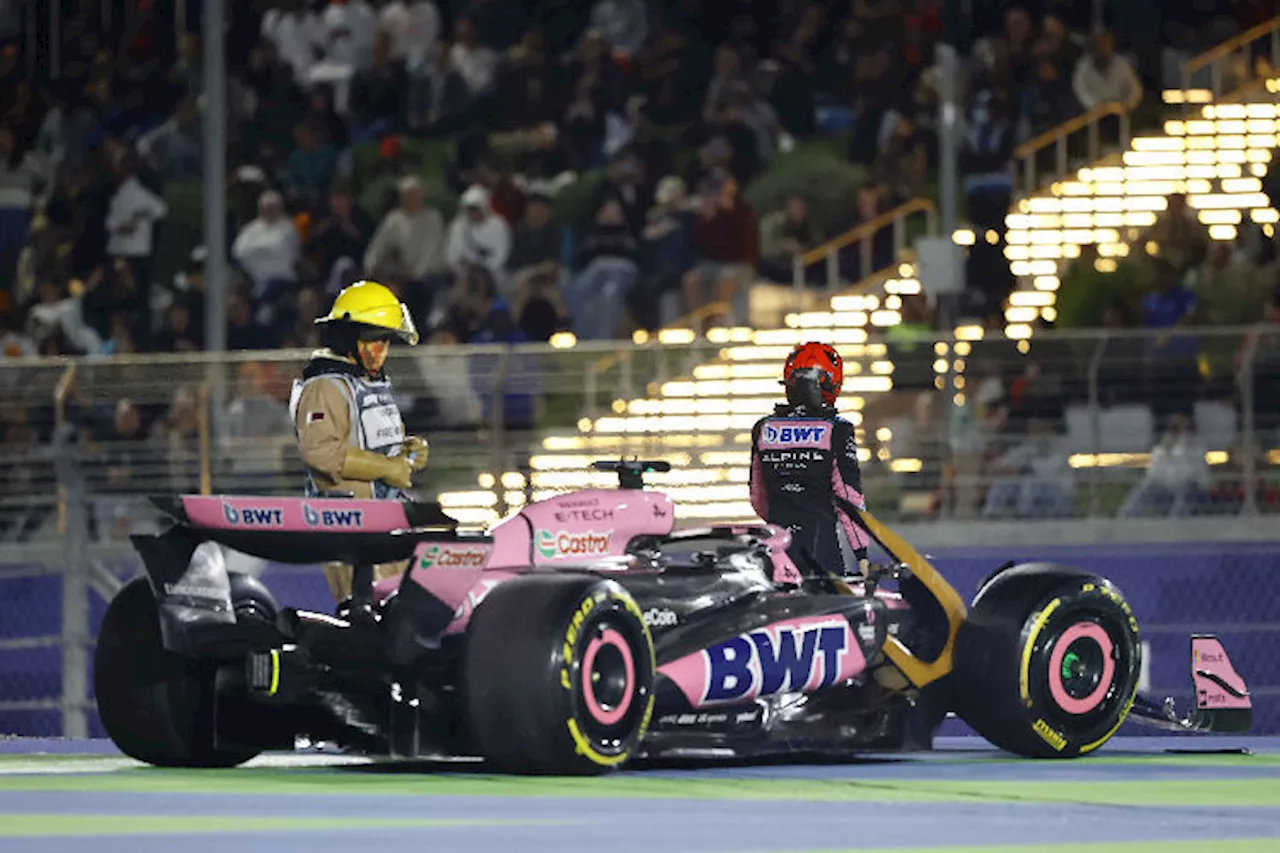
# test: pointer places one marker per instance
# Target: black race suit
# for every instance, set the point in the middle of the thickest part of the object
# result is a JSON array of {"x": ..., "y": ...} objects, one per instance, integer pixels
[{"x": 805, "y": 477}]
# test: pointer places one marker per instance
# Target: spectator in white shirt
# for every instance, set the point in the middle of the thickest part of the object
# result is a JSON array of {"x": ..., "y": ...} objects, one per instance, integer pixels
[
  {"x": 625, "y": 23},
  {"x": 1033, "y": 479},
  {"x": 175, "y": 148},
  {"x": 347, "y": 27},
  {"x": 1102, "y": 76},
  {"x": 476, "y": 63},
  {"x": 22, "y": 183},
  {"x": 131, "y": 217},
  {"x": 296, "y": 34},
  {"x": 478, "y": 236},
  {"x": 268, "y": 249},
  {"x": 1177, "y": 478},
  {"x": 413, "y": 233},
  {"x": 413, "y": 26}
]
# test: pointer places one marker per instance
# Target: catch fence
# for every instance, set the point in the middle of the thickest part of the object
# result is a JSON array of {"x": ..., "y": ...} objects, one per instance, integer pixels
[{"x": 1138, "y": 437}]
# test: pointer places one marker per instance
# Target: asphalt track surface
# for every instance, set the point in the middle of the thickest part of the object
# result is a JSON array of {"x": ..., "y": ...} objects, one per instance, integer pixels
[{"x": 1137, "y": 795}]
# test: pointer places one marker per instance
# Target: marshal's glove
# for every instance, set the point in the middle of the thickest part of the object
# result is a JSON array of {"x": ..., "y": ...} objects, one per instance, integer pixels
[
  {"x": 416, "y": 450},
  {"x": 367, "y": 467}
]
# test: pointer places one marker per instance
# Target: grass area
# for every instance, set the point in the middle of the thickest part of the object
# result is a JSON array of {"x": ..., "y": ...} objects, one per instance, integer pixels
[
  {"x": 84, "y": 825},
  {"x": 1254, "y": 791}
]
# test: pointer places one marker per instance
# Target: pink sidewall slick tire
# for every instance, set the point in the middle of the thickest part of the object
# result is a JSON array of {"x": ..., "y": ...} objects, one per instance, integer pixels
[
  {"x": 558, "y": 675},
  {"x": 1047, "y": 664}
]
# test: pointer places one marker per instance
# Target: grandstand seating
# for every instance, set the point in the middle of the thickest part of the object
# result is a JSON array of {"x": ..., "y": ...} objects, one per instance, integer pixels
[
  {"x": 1217, "y": 157},
  {"x": 1216, "y": 154}
]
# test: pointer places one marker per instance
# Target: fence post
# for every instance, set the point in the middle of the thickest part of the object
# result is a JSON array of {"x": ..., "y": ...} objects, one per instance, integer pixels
[
  {"x": 1186, "y": 87},
  {"x": 65, "y": 384},
  {"x": 593, "y": 408},
  {"x": 75, "y": 593},
  {"x": 948, "y": 414},
  {"x": 1249, "y": 441},
  {"x": 205, "y": 435},
  {"x": 1060, "y": 150},
  {"x": 797, "y": 280},
  {"x": 1095, "y": 423},
  {"x": 499, "y": 448},
  {"x": 833, "y": 270},
  {"x": 628, "y": 375},
  {"x": 662, "y": 372}
]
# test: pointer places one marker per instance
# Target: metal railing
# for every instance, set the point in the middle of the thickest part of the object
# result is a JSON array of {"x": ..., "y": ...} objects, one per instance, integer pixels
[
  {"x": 1070, "y": 427},
  {"x": 137, "y": 425},
  {"x": 864, "y": 235},
  {"x": 978, "y": 437},
  {"x": 1029, "y": 176},
  {"x": 489, "y": 410},
  {"x": 1221, "y": 82},
  {"x": 618, "y": 369}
]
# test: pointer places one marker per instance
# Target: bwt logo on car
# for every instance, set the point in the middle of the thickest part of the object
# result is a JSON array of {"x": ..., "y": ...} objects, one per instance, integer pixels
[
  {"x": 563, "y": 544},
  {"x": 453, "y": 558},
  {"x": 780, "y": 657},
  {"x": 341, "y": 518},
  {"x": 253, "y": 516},
  {"x": 799, "y": 435}
]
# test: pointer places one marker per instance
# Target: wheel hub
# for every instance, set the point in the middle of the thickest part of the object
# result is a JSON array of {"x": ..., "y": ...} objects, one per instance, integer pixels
[{"x": 1082, "y": 668}]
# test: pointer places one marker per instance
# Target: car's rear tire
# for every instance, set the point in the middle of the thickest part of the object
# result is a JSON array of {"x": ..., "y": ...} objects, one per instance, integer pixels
[
  {"x": 558, "y": 675},
  {"x": 1047, "y": 664},
  {"x": 156, "y": 706}
]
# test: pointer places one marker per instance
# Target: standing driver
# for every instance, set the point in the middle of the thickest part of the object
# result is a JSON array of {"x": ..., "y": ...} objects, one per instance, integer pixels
[
  {"x": 804, "y": 467},
  {"x": 349, "y": 430}
]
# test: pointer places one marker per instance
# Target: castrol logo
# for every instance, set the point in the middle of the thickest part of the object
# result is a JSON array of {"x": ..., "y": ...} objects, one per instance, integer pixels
[
  {"x": 558, "y": 545},
  {"x": 454, "y": 557}
]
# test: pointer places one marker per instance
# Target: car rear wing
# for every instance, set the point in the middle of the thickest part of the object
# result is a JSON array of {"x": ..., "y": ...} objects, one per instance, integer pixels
[
  {"x": 1222, "y": 701},
  {"x": 186, "y": 565}
]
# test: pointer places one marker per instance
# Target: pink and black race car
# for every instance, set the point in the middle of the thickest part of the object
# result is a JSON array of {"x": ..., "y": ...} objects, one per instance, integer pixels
[{"x": 586, "y": 631}]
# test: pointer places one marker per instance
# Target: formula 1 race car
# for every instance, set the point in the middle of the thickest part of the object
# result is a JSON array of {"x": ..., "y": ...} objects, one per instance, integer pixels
[{"x": 585, "y": 631}]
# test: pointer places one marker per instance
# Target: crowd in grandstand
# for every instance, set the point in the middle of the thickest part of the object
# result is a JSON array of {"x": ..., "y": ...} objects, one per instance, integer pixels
[
  {"x": 513, "y": 169},
  {"x": 673, "y": 108}
]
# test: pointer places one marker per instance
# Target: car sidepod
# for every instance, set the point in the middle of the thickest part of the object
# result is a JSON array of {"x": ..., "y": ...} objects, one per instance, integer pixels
[{"x": 723, "y": 673}]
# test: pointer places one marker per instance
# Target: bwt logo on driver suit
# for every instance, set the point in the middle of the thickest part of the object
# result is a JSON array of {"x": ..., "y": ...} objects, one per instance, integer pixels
[
  {"x": 803, "y": 434},
  {"x": 346, "y": 519},
  {"x": 800, "y": 656},
  {"x": 564, "y": 544}
]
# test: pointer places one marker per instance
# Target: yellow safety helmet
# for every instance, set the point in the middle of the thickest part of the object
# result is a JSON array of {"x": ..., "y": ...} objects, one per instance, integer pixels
[{"x": 367, "y": 303}]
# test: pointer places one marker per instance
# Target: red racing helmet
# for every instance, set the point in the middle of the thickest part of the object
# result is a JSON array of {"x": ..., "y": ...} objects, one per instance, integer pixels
[{"x": 814, "y": 371}]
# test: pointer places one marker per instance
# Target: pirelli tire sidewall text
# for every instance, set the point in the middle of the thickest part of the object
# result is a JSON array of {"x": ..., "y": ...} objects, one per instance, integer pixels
[
  {"x": 1010, "y": 652},
  {"x": 531, "y": 650}
]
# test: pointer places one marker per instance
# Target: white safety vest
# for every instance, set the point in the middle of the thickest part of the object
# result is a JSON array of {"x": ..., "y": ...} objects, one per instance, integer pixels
[{"x": 375, "y": 420}]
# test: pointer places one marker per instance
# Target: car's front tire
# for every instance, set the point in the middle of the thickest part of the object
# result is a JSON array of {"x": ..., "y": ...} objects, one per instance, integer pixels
[
  {"x": 558, "y": 675},
  {"x": 157, "y": 706},
  {"x": 1047, "y": 664}
]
